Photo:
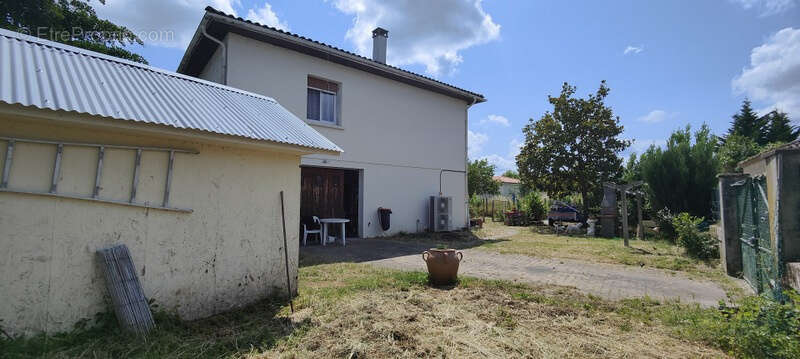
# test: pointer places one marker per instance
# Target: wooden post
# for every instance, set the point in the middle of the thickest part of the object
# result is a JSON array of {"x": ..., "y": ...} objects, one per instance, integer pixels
[
  {"x": 639, "y": 215},
  {"x": 625, "y": 217},
  {"x": 485, "y": 205}
]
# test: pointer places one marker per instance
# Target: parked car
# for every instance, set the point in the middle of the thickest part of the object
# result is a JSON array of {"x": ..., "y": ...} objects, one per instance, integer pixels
[{"x": 560, "y": 211}]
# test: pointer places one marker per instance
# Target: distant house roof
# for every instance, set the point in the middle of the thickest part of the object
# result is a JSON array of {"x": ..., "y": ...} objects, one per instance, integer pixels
[
  {"x": 218, "y": 24},
  {"x": 504, "y": 179},
  {"x": 49, "y": 75}
]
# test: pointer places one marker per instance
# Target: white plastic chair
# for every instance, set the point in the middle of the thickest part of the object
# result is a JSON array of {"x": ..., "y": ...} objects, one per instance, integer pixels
[{"x": 317, "y": 231}]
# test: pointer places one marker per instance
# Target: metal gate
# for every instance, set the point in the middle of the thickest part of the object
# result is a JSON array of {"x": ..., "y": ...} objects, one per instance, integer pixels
[{"x": 759, "y": 262}]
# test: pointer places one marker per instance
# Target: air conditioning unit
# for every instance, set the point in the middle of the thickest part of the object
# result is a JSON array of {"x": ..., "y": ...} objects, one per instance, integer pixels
[{"x": 440, "y": 213}]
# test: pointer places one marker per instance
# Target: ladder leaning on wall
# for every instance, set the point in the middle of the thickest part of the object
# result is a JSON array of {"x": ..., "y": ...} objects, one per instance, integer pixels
[{"x": 95, "y": 196}]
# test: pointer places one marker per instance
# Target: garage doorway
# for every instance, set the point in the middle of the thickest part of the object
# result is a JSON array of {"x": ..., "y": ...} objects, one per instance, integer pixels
[{"x": 330, "y": 193}]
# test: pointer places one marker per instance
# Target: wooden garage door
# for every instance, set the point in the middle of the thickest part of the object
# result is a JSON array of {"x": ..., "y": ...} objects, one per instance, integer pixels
[{"x": 322, "y": 193}]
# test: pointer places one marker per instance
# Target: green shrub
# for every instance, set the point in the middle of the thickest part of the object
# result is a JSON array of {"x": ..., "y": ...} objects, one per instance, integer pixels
[
  {"x": 682, "y": 175},
  {"x": 533, "y": 206},
  {"x": 475, "y": 206},
  {"x": 663, "y": 220},
  {"x": 737, "y": 148},
  {"x": 498, "y": 215},
  {"x": 696, "y": 243},
  {"x": 763, "y": 328}
]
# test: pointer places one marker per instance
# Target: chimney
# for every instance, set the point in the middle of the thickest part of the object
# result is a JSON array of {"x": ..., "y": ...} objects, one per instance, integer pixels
[{"x": 379, "y": 37}]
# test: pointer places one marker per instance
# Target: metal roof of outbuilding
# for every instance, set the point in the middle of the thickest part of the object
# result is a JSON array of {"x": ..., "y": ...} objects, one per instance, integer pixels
[{"x": 49, "y": 75}]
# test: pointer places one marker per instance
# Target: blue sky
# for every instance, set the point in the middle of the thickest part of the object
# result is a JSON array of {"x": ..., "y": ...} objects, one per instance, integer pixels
[{"x": 687, "y": 62}]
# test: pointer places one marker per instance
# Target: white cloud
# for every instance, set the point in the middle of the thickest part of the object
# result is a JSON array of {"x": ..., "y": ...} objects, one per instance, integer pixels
[
  {"x": 639, "y": 146},
  {"x": 475, "y": 142},
  {"x": 767, "y": 7},
  {"x": 496, "y": 119},
  {"x": 172, "y": 23},
  {"x": 508, "y": 162},
  {"x": 176, "y": 19},
  {"x": 265, "y": 16},
  {"x": 633, "y": 49},
  {"x": 773, "y": 76},
  {"x": 656, "y": 116},
  {"x": 501, "y": 163},
  {"x": 431, "y": 33}
]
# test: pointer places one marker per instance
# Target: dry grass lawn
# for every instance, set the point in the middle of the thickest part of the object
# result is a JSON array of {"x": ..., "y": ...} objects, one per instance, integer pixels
[
  {"x": 477, "y": 319},
  {"x": 347, "y": 310}
]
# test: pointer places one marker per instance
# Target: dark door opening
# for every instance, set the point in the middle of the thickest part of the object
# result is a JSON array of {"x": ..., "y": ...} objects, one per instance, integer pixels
[{"x": 329, "y": 193}]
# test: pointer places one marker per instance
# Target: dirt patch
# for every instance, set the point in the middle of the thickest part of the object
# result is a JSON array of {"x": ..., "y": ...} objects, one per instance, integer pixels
[{"x": 474, "y": 322}]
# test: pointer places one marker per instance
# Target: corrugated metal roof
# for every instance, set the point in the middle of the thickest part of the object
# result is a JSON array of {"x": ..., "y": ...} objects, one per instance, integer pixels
[{"x": 49, "y": 75}]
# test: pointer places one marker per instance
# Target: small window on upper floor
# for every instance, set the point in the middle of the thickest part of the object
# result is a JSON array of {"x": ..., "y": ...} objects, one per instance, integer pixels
[{"x": 323, "y": 101}]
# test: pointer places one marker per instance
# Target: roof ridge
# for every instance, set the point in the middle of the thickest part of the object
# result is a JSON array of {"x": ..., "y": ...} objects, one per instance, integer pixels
[
  {"x": 221, "y": 13},
  {"x": 100, "y": 56}
]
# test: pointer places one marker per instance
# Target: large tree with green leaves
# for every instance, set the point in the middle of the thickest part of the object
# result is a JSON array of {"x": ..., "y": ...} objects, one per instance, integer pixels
[
  {"x": 682, "y": 176},
  {"x": 510, "y": 174},
  {"x": 479, "y": 178},
  {"x": 779, "y": 128},
  {"x": 73, "y": 22},
  {"x": 747, "y": 123},
  {"x": 573, "y": 148},
  {"x": 736, "y": 149}
]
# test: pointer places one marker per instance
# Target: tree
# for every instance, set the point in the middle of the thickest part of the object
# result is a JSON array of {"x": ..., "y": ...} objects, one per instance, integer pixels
[
  {"x": 633, "y": 169},
  {"x": 479, "y": 178},
  {"x": 746, "y": 123},
  {"x": 682, "y": 176},
  {"x": 779, "y": 128},
  {"x": 574, "y": 147},
  {"x": 73, "y": 22},
  {"x": 510, "y": 174},
  {"x": 736, "y": 149}
]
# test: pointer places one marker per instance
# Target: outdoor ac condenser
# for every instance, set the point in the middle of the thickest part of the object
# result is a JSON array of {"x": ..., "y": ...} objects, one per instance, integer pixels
[{"x": 440, "y": 213}]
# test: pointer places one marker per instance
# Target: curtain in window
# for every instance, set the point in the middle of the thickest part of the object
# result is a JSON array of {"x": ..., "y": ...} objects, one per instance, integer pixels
[
  {"x": 312, "y": 105},
  {"x": 327, "y": 107}
]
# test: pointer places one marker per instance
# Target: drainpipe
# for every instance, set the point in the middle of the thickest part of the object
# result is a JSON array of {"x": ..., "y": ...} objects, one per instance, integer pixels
[
  {"x": 777, "y": 227},
  {"x": 224, "y": 55},
  {"x": 466, "y": 160}
]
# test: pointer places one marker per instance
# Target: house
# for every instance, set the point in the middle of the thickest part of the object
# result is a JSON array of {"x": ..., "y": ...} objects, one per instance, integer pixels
[
  {"x": 97, "y": 151},
  {"x": 509, "y": 187},
  {"x": 403, "y": 135}
]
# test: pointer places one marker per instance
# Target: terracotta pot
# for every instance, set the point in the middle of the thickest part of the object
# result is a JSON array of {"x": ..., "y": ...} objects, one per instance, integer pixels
[{"x": 442, "y": 265}]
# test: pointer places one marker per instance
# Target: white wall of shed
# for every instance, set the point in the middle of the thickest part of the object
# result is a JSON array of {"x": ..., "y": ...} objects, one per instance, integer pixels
[{"x": 227, "y": 253}]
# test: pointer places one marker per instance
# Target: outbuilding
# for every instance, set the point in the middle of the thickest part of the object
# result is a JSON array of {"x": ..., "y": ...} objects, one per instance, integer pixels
[
  {"x": 760, "y": 222},
  {"x": 97, "y": 151}
]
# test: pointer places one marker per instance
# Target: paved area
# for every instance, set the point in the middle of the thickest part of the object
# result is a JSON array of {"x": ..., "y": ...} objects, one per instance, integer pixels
[{"x": 605, "y": 280}]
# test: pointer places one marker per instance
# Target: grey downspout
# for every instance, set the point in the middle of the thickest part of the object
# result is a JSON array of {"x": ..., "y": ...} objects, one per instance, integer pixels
[
  {"x": 466, "y": 160},
  {"x": 777, "y": 227},
  {"x": 224, "y": 55}
]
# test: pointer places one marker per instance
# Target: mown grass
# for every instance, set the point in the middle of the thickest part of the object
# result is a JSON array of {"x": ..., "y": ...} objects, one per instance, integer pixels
[{"x": 356, "y": 310}]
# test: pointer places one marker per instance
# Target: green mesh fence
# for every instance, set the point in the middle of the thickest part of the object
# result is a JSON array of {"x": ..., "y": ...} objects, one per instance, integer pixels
[{"x": 759, "y": 257}]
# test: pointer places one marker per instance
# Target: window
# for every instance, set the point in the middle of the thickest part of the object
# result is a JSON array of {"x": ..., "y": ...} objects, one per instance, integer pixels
[{"x": 322, "y": 101}]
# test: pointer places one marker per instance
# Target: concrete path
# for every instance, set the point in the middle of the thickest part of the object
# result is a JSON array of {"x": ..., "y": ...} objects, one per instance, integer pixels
[{"x": 609, "y": 281}]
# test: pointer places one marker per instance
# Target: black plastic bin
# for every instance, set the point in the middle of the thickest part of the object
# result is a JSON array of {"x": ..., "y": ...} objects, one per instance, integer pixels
[{"x": 384, "y": 213}]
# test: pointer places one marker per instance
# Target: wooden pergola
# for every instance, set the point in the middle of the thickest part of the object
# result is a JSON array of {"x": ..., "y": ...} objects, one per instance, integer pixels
[{"x": 625, "y": 190}]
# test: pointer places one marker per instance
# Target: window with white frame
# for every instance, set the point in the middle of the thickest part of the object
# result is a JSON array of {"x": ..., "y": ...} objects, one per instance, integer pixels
[{"x": 322, "y": 104}]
